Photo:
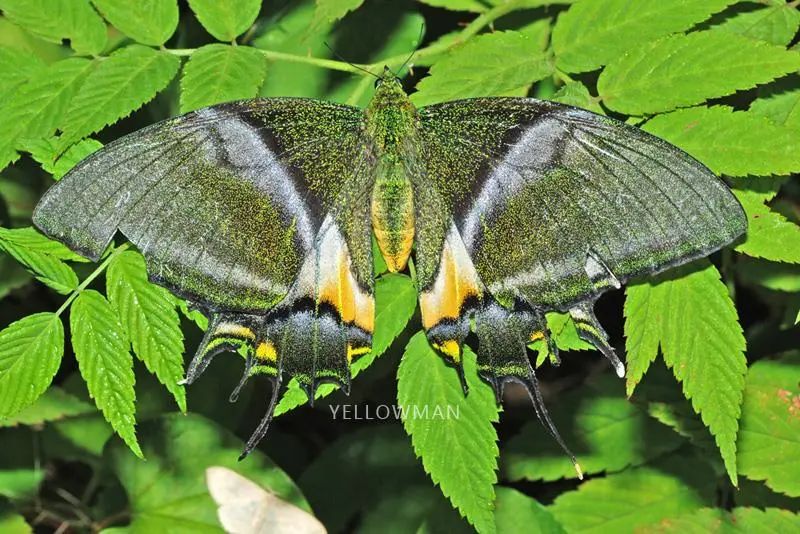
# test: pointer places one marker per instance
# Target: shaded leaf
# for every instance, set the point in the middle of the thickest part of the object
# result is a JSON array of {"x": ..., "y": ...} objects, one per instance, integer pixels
[
  {"x": 220, "y": 73},
  {"x": 33, "y": 240},
  {"x": 168, "y": 492},
  {"x": 683, "y": 70},
  {"x": 17, "y": 67},
  {"x": 769, "y": 439},
  {"x": 776, "y": 24},
  {"x": 735, "y": 143},
  {"x": 495, "y": 64},
  {"x": 745, "y": 520},
  {"x": 120, "y": 84},
  {"x": 769, "y": 234},
  {"x": 576, "y": 94},
  {"x": 55, "y": 20},
  {"x": 48, "y": 269},
  {"x": 226, "y": 20},
  {"x": 624, "y": 502},
  {"x": 329, "y": 11},
  {"x": 101, "y": 349},
  {"x": 516, "y": 512},
  {"x": 605, "y": 431},
  {"x": 458, "y": 452},
  {"x": 149, "y": 22},
  {"x": 53, "y": 405},
  {"x": 148, "y": 316},
  {"x": 48, "y": 153},
  {"x": 781, "y": 108},
  {"x": 19, "y": 484},
  {"x": 707, "y": 358},
  {"x": 594, "y": 33},
  {"x": 30, "y": 354}
]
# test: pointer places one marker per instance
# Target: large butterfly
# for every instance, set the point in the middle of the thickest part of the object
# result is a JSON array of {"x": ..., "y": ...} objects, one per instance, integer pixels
[{"x": 262, "y": 212}]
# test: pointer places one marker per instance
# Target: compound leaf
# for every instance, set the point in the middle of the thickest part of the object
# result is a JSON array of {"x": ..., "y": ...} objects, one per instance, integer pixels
[
  {"x": 149, "y": 22},
  {"x": 105, "y": 363},
  {"x": 30, "y": 354}
]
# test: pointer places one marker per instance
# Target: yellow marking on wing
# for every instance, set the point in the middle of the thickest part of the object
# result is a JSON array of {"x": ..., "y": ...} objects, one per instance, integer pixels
[
  {"x": 342, "y": 292},
  {"x": 452, "y": 287},
  {"x": 536, "y": 336},
  {"x": 450, "y": 348},
  {"x": 266, "y": 352},
  {"x": 355, "y": 352},
  {"x": 234, "y": 330}
]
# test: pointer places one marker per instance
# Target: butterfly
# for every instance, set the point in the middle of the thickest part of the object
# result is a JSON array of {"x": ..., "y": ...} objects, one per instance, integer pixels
[{"x": 262, "y": 214}]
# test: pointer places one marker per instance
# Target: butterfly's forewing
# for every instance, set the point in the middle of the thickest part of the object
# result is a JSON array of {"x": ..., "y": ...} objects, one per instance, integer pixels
[
  {"x": 255, "y": 211},
  {"x": 554, "y": 205}
]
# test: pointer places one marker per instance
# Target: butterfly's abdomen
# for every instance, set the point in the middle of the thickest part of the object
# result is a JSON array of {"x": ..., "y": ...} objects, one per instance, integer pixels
[{"x": 393, "y": 215}]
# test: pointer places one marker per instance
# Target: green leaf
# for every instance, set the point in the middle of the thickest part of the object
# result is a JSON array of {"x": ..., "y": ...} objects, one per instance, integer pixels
[
  {"x": 776, "y": 24},
  {"x": 605, "y": 431},
  {"x": 781, "y": 108},
  {"x": 475, "y": 6},
  {"x": 31, "y": 239},
  {"x": 717, "y": 520},
  {"x": 47, "y": 268},
  {"x": 516, "y": 512},
  {"x": 355, "y": 468},
  {"x": 19, "y": 484},
  {"x": 576, "y": 94},
  {"x": 150, "y": 22},
  {"x": 595, "y": 33},
  {"x": 459, "y": 452},
  {"x": 11, "y": 522},
  {"x": 698, "y": 330},
  {"x": 12, "y": 276},
  {"x": 168, "y": 493},
  {"x": 38, "y": 107},
  {"x": 55, "y": 20},
  {"x": 683, "y": 70},
  {"x": 329, "y": 11},
  {"x": 48, "y": 153},
  {"x": 17, "y": 67},
  {"x": 769, "y": 234},
  {"x": 774, "y": 276},
  {"x": 147, "y": 313},
  {"x": 395, "y": 302},
  {"x": 226, "y": 20},
  {"x": 769, "y": 440},
  {"x": 495, "y": 64},
  {"x": 120, "y": 84},
  {"x": 735, "y": 143},
  {"x": 220, "y": 73},
  {"x": 30, "y": 354},
  {"x": 53, "y": 405},
  {"x": 101, "y": 349},
  {"x": 625, "y": 502}
]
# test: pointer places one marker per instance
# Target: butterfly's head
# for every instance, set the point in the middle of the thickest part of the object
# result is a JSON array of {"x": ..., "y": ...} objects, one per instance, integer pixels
[{"x": 388, "y": 80}]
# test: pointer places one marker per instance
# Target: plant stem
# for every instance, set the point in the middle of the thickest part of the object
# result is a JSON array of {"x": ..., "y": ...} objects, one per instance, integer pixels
[
  {"x": 89, "y": 279},
  {"x": 422, "y": 56}
]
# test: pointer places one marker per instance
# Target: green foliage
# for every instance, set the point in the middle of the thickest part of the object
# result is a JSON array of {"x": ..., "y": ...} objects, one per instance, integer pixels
[
  {"x": 149, "y": 22},
  {"x": 101, "y": 349},
  {"x": 459, "y": 452},
  {"x": 710, "y": 64},
  {"x": 226, "y": 20},
  {"x": 595, "y": 33},
  {"x": 148, "y": 316},
  {"x": 718, "y": 78},
  {"x": 707, "y": 358},
  {"x": 30, "y": 353},
  {"x": 769, "y": 442},
  {"x": 221, "y": 73}
]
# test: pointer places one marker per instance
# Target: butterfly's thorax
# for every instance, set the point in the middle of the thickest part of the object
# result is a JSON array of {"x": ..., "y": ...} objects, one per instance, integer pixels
[{"x": 392, "y": 126}]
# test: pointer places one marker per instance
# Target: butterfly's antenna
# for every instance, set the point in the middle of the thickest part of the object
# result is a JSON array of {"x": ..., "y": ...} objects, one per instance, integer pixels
[
  {"x": 532, "y": 386},
  {"x": 261, "y": 431},
  {"x": 411, "y": 55},
  {"x": 340, "y": 58}
]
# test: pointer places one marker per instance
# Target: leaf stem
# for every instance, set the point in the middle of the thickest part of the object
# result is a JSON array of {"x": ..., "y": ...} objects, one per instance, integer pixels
[
  {"x": 89, "y": 279},
  {"x": 422, "y": 56}
]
